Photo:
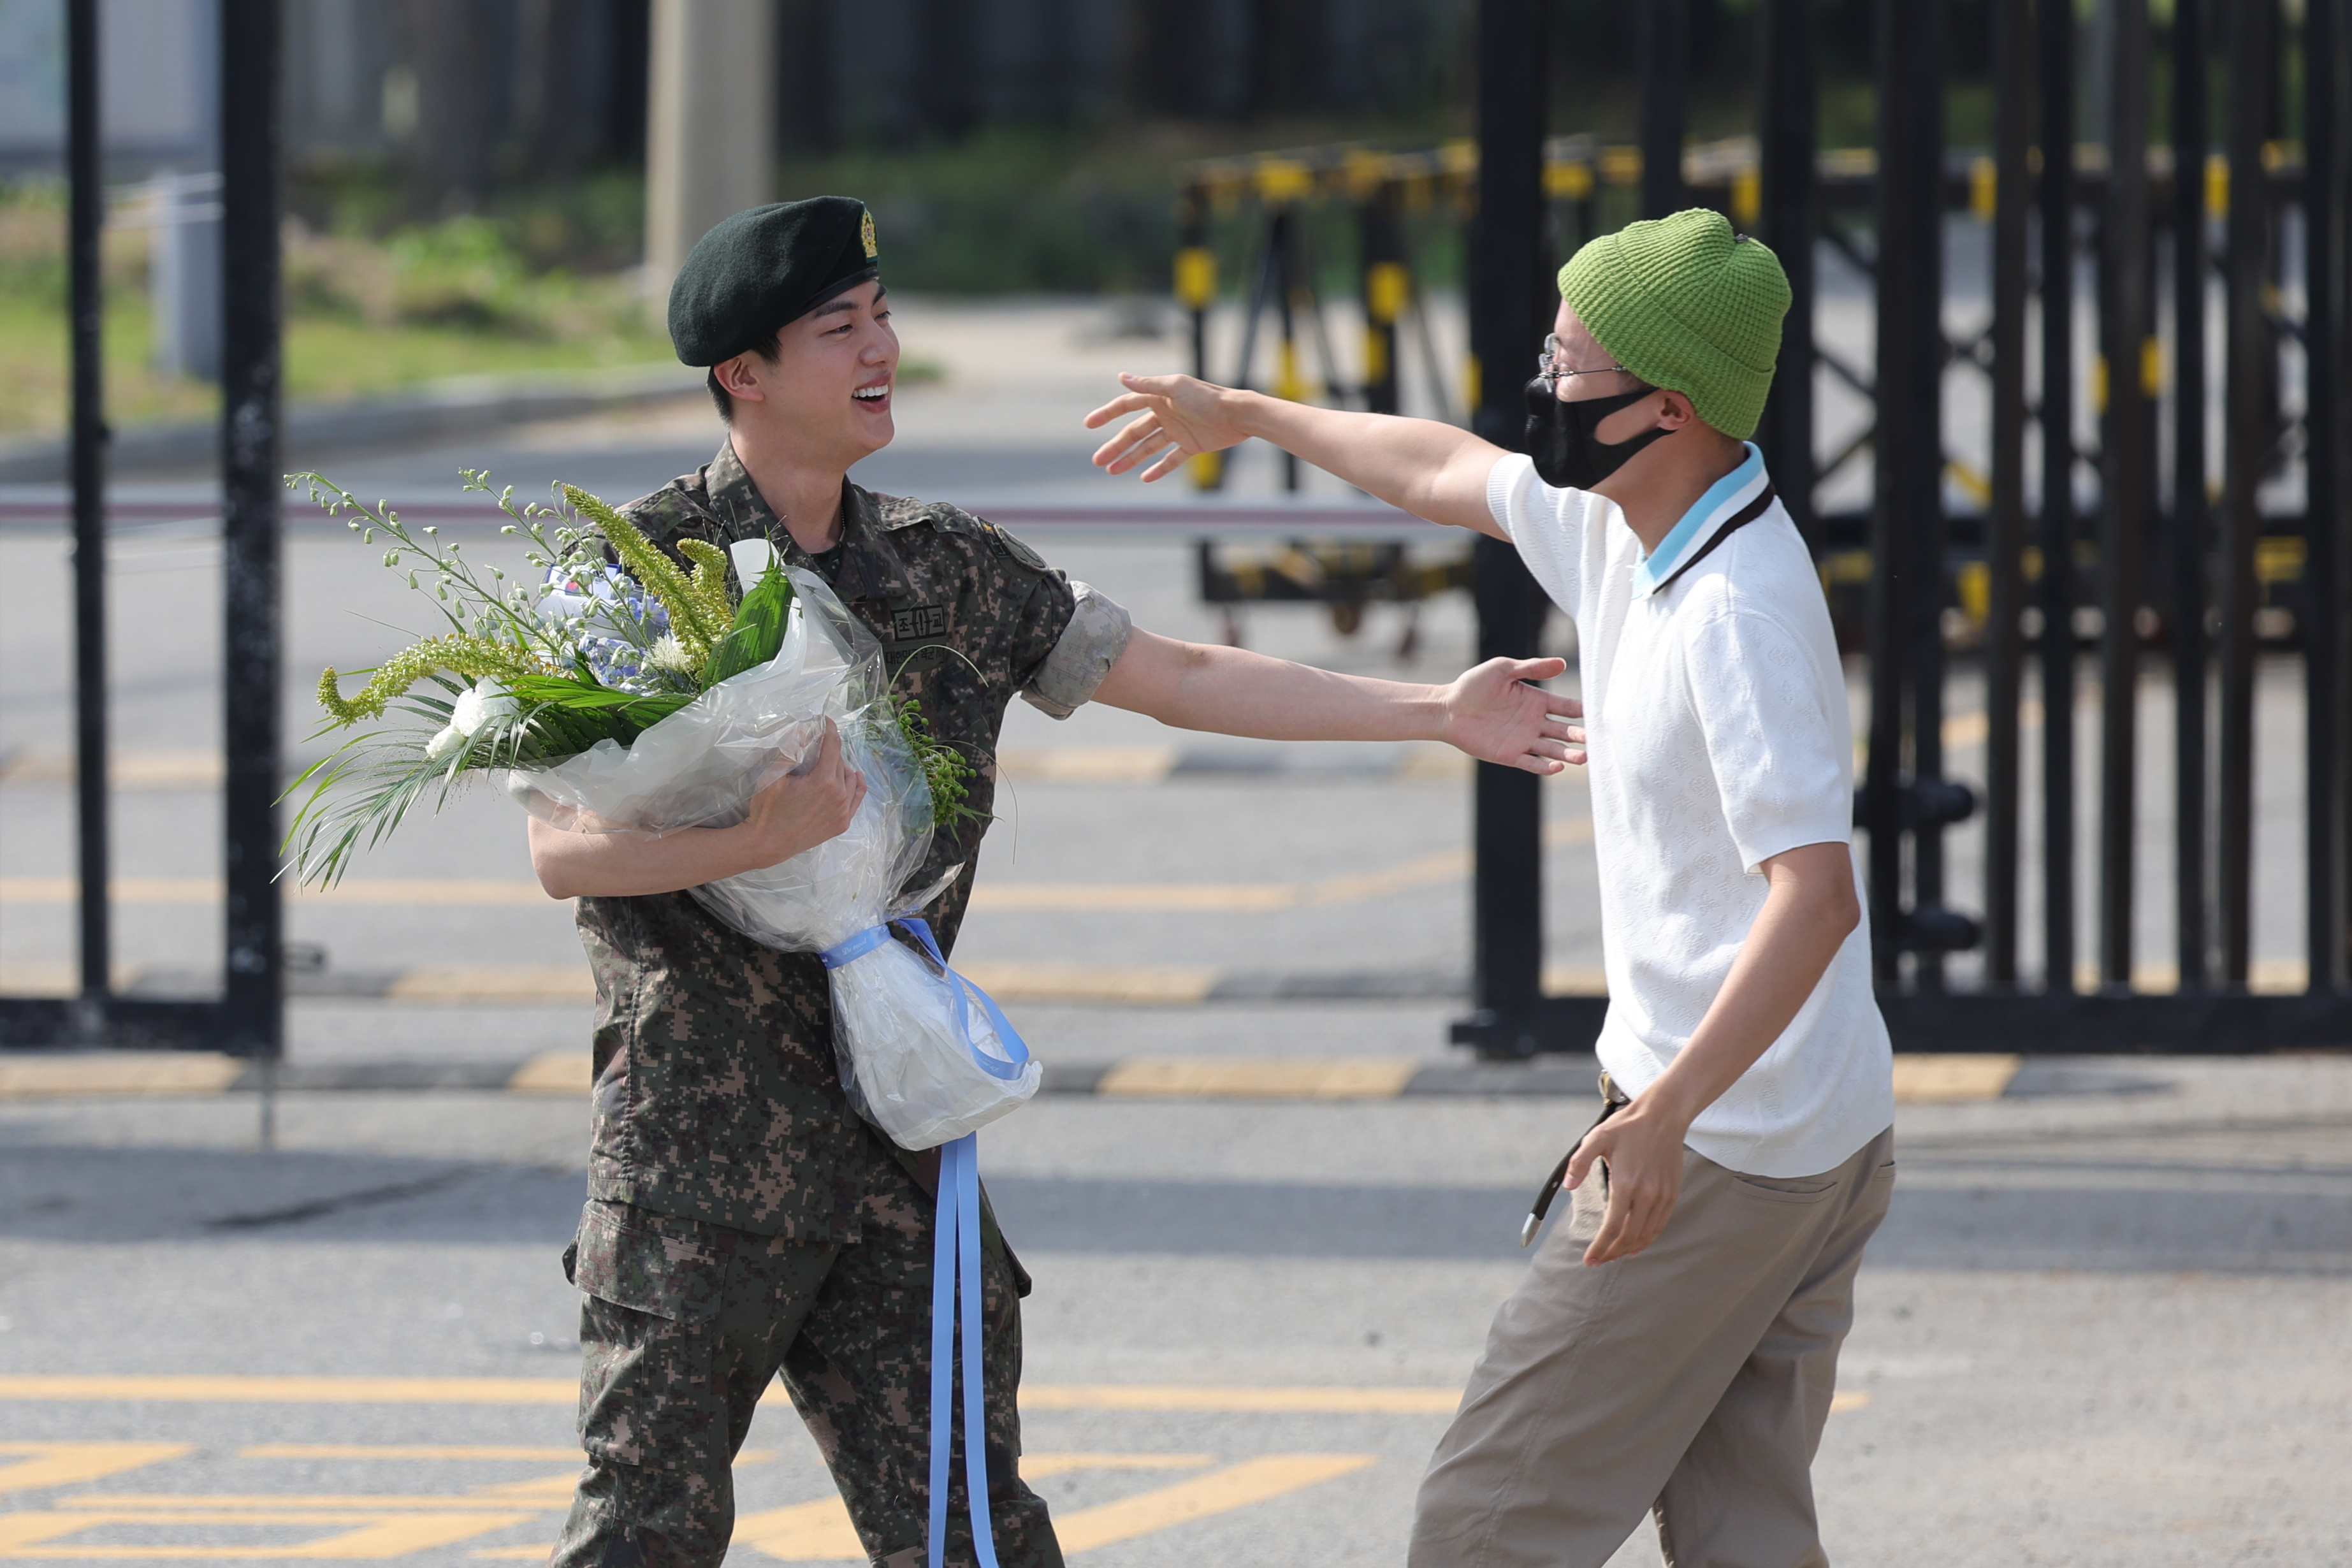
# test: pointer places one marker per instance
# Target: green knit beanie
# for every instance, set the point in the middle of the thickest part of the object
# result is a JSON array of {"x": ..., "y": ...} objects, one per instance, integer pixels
[{"x": 1687, "y": 305}]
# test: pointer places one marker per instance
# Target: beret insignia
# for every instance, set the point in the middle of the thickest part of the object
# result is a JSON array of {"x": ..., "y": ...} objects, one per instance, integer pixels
[{"x": 865, "y": 234}]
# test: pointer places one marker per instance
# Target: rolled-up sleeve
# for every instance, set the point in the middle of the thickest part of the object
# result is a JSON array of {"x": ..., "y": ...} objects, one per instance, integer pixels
[{"x": 1097, "y": 635}]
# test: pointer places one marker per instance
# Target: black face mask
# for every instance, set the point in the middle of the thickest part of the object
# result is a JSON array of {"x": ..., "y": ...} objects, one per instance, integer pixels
[{"x": 1560, "y": 438}]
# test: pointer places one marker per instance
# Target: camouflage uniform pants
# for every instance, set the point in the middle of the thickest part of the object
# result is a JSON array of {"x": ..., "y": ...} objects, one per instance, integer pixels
[{"x": 682, "y": 1326}]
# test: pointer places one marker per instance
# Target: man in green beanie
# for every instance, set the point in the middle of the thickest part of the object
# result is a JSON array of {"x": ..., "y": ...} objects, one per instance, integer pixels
[
  {"x": 1674, "y": 1345},
  {"x": 742, "y": 1222}
]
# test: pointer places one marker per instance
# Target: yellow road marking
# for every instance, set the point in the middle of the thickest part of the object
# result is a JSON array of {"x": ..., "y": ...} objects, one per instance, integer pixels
[
  {"x": 1037, "y": 1467},
  {"x": 429, "y": 1451},
  {"x": 494, "y": 983},
  {"x": 67, "y": 1464},
  {"x": 373, "y": 1537},
  {"x": 182, "y": 1388},
  {"x": 555, "y": 1072},
  {"x": 817, "y": 1531},
  {"x": 245, "y": 1504},
  {"x": 1844, "y": 1402},
  {"x": 202, "y": 1389},
  {"x": 1089, "y": 764},
  {"x": 1208, "y": 1078},
  {"x": 1236, "y": 1485},
  {"x": 1137, "y": 898},
  {"x": 820, "y": 1532},
  {"x": 1935, "y": 1079},
  {"x": 1143, "y": 984},
  {"x": 1292, "y": 1401},
  {"x": 117, "y": 1072}
]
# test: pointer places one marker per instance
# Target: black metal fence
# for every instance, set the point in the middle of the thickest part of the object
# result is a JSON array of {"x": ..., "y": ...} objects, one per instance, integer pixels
[
  {"x": 2168, "y": 572},
  {"x": 247, "y": 1019}
]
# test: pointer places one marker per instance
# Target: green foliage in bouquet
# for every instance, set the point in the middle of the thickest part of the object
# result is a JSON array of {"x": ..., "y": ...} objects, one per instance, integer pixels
[{"x": 528, "y": 675}]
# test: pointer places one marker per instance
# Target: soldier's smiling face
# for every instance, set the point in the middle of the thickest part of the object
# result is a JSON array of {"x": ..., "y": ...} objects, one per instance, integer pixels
[{"x": 827, "y": 391}]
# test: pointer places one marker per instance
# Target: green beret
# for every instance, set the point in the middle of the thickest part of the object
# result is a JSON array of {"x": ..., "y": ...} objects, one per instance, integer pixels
[{"x": 764, "y": 267}]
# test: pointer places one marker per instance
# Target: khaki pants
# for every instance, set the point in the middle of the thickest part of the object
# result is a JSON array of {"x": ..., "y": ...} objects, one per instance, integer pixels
[{"x": 1692, "y": 1378}]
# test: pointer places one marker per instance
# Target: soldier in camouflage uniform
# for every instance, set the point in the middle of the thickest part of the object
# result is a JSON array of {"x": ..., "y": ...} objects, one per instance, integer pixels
[{"x": 743, "y": 1221}]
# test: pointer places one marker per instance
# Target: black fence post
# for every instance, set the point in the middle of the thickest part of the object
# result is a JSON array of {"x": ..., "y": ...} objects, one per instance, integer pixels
[
  {"x": 86, "y": 217},
  {"x": 2324, "y": 602},
  {"x": 2252, "y": 57},
  {"x": 2005, "y": 517},
  {"x": 2056, "y": 27},
  {"x": 1508, "y": 320},
  {"x": 1787, "y": 160},
  {"x": 1387, "y": 287},
  {"x": 2127, "y": 321},
  {"x": 1906, "y": 515},
  {"x": 2192, "y": 270},
  {"x": 1666, "y": 49},
  {"x": 251, "y": 493}
]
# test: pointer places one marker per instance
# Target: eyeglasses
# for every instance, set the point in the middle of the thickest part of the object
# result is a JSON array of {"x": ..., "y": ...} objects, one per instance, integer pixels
[{"x": 1548, "y": 364}]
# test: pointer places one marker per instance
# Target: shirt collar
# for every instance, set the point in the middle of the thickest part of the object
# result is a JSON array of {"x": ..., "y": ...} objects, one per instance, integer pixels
[
  {"x": 869, "y": 568},
  {"x": 1723, "y": 500}
]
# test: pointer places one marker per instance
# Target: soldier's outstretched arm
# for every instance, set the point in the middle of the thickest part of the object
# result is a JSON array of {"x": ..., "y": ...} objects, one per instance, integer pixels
[
  {"x": 1490, "y": 712},
  {"x": 1420, "y": 466}
]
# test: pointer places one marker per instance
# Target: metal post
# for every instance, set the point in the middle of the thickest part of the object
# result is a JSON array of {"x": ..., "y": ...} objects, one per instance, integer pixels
[
  {"x": 1919, "y": 480},
  {"x": 2252, "y": 74},
  {"x": 2190, "y": 271},
  {"x": 1287, "y": 382},
  {"x": 87, "y": 215},
  {"x": 1387, "y": 286},
  {"x": 1508, "y": 320},
  {"x": 2127, "y": 457},
  {"x": 1665, "y": 46},
  {"x": 254, "y": 1010},
  {"x": 2324, "y": 552},
  {"x": 2056, "y": 27},
  {"x": 1907, "y": 517},
  {"x": 1785, "y": 152},
  {"x": 2005, "y": 517}
]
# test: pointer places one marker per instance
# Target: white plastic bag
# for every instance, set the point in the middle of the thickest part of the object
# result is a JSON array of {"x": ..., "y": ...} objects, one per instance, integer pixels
[{"x": 924, "y": 1056}]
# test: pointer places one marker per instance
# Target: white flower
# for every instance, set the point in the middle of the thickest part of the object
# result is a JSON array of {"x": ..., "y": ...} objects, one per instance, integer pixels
[
  {"x": 483, "y": 704},
  {"x": 444, "y": 745},
  {"x": 668, "y": 655}
]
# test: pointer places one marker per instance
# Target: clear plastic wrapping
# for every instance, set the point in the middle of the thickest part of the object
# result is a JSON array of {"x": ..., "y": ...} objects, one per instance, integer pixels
[{"x": 921, "y": 1052}]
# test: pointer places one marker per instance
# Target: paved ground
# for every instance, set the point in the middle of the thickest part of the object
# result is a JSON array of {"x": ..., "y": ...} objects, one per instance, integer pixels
[{"x": 2105, "y": 1323}]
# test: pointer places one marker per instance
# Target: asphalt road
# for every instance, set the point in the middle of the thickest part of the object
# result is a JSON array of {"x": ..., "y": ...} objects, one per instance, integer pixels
[{"x": 2102, "y": 1326}]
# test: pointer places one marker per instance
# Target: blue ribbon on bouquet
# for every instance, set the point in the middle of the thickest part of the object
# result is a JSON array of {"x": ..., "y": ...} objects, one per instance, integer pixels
[{"x": 955, "y": 1258}]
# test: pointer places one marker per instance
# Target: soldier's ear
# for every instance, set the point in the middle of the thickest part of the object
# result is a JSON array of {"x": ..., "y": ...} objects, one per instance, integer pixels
[{"x": 740, "y": 376}]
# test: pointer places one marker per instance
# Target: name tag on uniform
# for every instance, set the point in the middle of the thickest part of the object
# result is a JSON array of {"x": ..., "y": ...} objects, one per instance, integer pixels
[{"x": 918, "y": 621}]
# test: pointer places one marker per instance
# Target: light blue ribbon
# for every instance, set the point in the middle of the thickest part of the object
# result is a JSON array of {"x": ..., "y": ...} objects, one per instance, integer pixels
[{"x": 955, "y": 1260}]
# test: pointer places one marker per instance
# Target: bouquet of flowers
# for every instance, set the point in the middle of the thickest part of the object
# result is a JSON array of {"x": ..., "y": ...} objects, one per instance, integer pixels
[{"x": 630, "y": 695}]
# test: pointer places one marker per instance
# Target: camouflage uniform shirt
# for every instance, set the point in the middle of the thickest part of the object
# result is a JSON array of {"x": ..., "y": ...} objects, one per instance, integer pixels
[{"x": 716, "y": 1097}]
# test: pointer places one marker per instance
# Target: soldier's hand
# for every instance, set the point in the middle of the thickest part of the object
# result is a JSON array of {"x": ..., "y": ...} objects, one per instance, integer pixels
[
  {"x": 1643, "y": 1154},
  {"x": 803, "y": 809},
  {"x": 1495, "y": 715},
  {"x": 1176, "y": 417}
]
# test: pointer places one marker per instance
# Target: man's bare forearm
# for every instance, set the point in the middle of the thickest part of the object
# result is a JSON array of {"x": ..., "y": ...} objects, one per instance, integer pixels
[
  {"x": 1232, "y": 691},
  {"x": 631, "y": 865},
  {"x": 1419, "y": 466}
]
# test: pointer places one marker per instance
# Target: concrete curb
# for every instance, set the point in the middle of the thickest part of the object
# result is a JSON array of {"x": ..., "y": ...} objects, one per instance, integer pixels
[
  {"x": 461, "y": 405},
  {"x": 1929, "y": 1080}
]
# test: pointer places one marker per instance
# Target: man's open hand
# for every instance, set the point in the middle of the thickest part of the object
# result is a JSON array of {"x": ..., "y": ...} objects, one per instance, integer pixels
[
  {"x": 1492, "y": 713},
  {"x": 1176, "y": 417},
  {"x": 1644, "y": 1157}
]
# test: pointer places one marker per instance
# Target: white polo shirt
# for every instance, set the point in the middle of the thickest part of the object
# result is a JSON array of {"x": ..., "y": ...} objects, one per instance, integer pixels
[{"x": 1716, "y": 709}]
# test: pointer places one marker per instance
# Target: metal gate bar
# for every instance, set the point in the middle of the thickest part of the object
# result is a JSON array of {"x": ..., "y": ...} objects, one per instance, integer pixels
[
  {"x": 248, "y": 1020},
  {"x": 2128, "y": 459},
  {"x": 2005, "y": 515},
  {"x": 2324, "y": 642},
  {"x": 2191, "y": 539}
]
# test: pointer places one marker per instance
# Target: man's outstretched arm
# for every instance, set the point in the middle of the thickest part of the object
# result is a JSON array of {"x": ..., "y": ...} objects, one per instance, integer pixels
[
  {"x": 1419, "y": 466},
  {"x": 1490, "y": 712}
]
